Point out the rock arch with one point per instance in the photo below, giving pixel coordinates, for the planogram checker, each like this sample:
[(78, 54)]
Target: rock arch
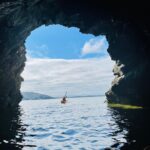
[(126, 26)]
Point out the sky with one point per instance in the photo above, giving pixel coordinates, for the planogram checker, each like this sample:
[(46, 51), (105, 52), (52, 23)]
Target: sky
[(63, 59)]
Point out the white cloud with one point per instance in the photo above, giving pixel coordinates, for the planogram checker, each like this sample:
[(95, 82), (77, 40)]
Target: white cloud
[(77, 76), (95, 45), (40, 51)]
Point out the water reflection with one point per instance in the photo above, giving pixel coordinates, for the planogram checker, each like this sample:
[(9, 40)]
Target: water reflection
[(137, 124), (11, 130), (129, 128)]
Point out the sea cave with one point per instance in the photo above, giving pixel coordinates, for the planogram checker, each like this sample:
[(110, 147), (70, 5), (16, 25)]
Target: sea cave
[(125, 24)]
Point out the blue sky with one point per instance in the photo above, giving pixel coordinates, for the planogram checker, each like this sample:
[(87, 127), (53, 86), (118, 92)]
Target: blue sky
[(62, 59), (57, 41)]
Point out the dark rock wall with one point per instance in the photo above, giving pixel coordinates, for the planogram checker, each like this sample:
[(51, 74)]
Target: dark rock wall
[(131, 83), (126, 26)]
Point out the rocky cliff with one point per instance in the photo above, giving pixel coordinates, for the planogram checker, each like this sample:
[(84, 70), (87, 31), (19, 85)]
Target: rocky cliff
[(125, 24)]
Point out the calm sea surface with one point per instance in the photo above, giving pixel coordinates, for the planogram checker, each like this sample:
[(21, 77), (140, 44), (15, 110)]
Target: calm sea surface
[(81, 124)]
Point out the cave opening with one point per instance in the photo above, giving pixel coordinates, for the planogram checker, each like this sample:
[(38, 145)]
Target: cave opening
[(127, 28), (128, 39), (61, 59)]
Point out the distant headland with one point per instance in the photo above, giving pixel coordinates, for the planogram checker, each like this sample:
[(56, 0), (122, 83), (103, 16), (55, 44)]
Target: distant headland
[(39, 96)]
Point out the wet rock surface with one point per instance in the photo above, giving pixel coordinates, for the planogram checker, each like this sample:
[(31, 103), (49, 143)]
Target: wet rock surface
[(125, 25)]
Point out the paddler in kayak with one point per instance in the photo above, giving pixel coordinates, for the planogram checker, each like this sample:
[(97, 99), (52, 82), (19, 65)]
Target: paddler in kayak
[(64, 101)]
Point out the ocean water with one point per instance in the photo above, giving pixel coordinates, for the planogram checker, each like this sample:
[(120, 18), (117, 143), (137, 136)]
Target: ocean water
[(81, 124)]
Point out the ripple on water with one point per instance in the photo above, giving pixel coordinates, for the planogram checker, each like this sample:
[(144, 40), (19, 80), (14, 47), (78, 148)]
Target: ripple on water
[(42, 148), (39, 136), (94, 141), (82, 148), (59, 138), (68, 146), (70, 132), (84, 118), (87, 126), (40, 129)]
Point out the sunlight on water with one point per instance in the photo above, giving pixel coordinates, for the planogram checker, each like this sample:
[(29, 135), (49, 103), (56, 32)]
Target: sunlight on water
[(83, 123)]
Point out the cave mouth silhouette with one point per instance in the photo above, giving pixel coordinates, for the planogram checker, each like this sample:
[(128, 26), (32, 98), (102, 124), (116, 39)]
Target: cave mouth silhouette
[(126, 28), (61, 59)]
